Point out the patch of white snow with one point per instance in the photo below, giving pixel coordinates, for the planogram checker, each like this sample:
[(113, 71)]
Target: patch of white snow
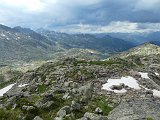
[(144, 75), (128, 81), (156, 93), (22, 85), (157, 73), (4, 90)]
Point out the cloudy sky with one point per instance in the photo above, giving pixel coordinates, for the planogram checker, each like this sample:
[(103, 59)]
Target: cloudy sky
[(87, 16)]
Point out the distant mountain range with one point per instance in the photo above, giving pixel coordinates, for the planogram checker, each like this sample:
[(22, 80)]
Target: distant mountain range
[(136, 38), (106, 44), (24, 44)]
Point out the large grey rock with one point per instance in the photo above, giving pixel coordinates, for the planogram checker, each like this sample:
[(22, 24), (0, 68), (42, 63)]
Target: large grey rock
[(149, 93), (48, 97), (75, 106), (87, 90), (58, 118), (48, 104), (98, 110), (83, 118), (16, 91), (37, 118), (67, 109), (27, 108), (61, 113), (154, 77), (84, 99), (136, 109), (154, 67), (38, 104), (68, 84), (32, 88), (92, 116), (58, 89), (117, 87), (135, 74), (1, 106), (75, 85), (67, 96)]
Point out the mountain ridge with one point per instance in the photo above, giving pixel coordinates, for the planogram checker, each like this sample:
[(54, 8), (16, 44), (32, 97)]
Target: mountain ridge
[(136, 38), (24, 44), (106, 44)]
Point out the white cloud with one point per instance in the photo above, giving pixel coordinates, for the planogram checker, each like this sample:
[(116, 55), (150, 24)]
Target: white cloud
[(119, 26), (113, 27), (41, 5), (27, 5), (39, 13), (68, 13)]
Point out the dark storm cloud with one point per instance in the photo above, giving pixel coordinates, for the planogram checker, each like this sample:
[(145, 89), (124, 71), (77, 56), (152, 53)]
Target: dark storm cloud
[(56, 14)]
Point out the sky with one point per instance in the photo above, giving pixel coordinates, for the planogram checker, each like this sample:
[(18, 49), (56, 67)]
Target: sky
[(83, 16)]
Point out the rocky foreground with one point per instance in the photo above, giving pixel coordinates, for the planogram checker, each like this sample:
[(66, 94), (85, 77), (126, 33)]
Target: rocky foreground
[(75, 89)]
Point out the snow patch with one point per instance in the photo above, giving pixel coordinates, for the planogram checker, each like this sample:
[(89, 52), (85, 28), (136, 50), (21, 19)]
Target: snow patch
[(157, 74), (156, 93), (144, 75), (91, 51), (119, 91), (22, 85), (128, 81), (6, 89)]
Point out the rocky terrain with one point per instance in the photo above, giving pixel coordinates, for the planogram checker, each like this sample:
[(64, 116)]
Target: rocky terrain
[(122, 87)]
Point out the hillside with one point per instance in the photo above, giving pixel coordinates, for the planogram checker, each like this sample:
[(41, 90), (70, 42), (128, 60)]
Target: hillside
[(16, 46), (146, 49), (147, 54), (121, 87)]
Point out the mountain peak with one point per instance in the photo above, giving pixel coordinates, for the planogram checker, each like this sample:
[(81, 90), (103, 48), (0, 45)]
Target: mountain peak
[(146, 49), (22, 30), (148, 45), (6, 28)]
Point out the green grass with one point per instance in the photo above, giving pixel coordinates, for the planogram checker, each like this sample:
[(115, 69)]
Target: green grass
[(92, 105), (74, 74), (10, 114), (15, 74), (4, 84), (101, 103), (42, 88), (112, 62), (46, 113), (1, 77), (149, 118), (35, 98), (51, 112)]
